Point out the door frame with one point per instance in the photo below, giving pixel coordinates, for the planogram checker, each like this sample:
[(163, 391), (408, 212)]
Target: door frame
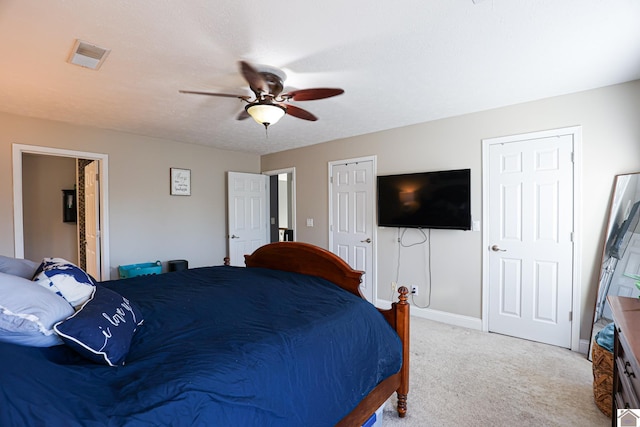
[(18, 223), (374, 244), (292, 171), (576, 133)]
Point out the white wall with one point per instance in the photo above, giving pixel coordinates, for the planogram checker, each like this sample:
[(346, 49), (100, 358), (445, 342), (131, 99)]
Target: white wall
[(146, 223), (611, 145), (283, 201)]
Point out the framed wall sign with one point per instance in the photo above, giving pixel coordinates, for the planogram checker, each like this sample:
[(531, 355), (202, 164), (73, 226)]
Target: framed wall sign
[(180, 182)]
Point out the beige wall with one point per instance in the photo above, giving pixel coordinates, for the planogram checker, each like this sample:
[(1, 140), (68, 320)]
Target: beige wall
[(45, 234), (611, 145), (146, 223)]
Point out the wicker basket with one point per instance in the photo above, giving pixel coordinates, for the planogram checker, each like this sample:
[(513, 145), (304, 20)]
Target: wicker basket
[(602, 377)]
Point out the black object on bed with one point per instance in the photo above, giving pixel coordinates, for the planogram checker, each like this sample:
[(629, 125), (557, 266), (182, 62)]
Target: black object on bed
[(219, 346)]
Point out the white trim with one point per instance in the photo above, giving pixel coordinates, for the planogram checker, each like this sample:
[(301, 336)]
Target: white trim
[(584, 347), (439, 316), (576, 133), (374, 244), (18, 224), (292, 171), (460, 320)]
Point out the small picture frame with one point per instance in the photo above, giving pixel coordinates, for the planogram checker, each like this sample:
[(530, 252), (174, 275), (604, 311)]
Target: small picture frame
[(180, 182)]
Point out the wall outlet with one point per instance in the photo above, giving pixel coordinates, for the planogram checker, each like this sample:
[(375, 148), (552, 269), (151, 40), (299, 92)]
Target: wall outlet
[(393, 286), (414, 290)]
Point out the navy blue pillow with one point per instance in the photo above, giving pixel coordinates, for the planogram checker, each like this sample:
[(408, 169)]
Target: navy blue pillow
[(102, 329)]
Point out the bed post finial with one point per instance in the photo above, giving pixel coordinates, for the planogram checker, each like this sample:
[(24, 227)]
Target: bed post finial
[(227, 260), (404, 292)]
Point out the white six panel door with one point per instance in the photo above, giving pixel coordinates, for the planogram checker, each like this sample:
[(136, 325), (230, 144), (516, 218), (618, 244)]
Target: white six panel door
[(353, 219), (247, 215), (530, 230)]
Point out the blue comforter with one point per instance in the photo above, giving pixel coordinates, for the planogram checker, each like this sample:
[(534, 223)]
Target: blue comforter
[(220, 346)]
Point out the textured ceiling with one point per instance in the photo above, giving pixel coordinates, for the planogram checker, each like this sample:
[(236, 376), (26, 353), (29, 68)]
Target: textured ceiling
[(400, 63)]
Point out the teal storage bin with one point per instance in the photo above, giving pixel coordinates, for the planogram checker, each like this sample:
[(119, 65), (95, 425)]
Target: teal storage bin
[(144, 269)]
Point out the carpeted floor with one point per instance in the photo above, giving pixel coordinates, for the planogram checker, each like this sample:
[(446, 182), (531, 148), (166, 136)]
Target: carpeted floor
[(463, 377)]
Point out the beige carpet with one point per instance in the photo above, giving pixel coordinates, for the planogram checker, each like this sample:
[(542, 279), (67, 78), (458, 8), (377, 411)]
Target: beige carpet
[(463, 377)]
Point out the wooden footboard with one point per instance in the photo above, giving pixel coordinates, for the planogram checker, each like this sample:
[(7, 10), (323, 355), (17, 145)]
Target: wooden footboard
[(309, 259)]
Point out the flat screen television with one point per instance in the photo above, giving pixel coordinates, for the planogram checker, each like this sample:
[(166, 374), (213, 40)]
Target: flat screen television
[(439, 199)]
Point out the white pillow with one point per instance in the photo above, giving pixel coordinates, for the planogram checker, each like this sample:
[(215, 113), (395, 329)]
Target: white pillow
[(18, 267), (65, 279), (28, 312)]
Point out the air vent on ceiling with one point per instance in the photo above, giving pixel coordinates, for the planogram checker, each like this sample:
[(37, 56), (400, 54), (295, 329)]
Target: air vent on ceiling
[(88, 55)]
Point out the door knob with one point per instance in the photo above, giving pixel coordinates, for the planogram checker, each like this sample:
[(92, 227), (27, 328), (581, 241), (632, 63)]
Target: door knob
[(496, 248), (367, 240), (233, 236)]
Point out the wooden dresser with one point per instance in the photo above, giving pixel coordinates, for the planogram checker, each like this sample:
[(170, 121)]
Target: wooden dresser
[(626, 370)]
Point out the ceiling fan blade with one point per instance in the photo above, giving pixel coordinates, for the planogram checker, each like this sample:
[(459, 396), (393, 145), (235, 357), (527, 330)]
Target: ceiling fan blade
[(312, 94), (256, 82), (226, 95), (242, 115), (298, 112)]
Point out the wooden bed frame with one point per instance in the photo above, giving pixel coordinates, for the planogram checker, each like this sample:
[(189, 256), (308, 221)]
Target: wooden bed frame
[(309, 259)]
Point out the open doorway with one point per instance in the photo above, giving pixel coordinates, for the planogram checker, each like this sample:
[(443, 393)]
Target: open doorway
[(25, 159), (282, 206), (49, 207)]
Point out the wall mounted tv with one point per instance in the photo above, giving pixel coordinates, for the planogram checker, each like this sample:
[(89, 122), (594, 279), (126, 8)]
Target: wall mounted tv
[(439, 199)]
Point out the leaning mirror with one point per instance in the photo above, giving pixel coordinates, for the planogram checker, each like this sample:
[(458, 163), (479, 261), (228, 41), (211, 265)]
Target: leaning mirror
[(620, 268)]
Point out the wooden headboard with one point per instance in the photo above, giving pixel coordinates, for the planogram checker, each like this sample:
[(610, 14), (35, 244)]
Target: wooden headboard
[(307, 259)]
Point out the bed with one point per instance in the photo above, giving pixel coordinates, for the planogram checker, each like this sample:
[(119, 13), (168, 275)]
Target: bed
[(273, 344)]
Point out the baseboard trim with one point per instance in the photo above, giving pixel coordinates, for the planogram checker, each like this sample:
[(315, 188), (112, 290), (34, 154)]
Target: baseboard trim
[(440, 316), (583, 347), (458, 320)]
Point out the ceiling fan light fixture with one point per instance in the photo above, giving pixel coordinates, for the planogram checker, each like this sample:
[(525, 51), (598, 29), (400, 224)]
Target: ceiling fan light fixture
[(266, 113)]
